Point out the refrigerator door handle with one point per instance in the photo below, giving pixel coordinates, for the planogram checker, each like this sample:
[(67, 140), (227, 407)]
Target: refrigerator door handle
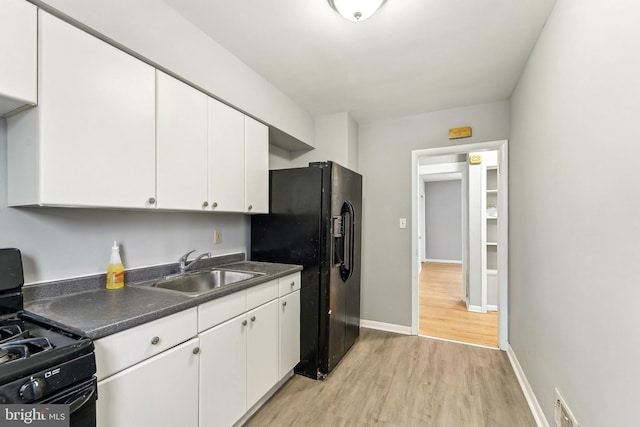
[(348, 225), (337, 235)]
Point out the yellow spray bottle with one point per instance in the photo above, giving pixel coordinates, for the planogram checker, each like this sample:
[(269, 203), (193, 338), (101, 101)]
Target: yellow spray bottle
[(115, 270)]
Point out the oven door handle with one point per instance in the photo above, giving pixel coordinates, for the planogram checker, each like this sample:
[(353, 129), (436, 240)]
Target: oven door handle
[(79, 401)]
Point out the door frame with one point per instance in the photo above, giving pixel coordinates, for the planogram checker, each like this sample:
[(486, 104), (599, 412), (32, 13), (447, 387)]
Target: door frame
[(503, 228)]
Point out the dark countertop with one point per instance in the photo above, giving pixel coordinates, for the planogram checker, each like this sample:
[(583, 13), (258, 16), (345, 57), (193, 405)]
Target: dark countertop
[(98, 312)]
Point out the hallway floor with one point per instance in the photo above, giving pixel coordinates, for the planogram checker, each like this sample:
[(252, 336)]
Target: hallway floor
[(443, 313), (393, 380)]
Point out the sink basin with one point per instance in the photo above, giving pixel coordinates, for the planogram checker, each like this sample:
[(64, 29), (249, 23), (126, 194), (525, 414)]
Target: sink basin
[(198, 283)]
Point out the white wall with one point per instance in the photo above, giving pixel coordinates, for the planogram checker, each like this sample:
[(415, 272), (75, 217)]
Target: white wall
[(60, 242), (575, 212), (157, 32), (336, 139), (385, 163), (443, 220), (279, 158)]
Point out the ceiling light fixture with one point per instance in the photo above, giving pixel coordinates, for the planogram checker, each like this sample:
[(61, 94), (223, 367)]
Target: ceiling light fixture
[(356, 10)]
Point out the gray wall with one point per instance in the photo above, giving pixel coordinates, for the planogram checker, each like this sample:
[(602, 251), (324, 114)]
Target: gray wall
[(443, 220), (385, 163), (336, 138), (61, 242), (575, 212)]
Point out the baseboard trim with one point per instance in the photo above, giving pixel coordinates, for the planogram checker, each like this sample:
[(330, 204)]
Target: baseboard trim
[(492, 307), (444, 261), (387, 327), (474, 308), (536, 409)]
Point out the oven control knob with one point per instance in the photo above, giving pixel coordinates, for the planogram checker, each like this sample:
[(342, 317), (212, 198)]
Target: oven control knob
[(33, 389)]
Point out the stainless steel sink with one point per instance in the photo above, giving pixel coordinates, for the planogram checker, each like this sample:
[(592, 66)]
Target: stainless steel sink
[(198, 283)]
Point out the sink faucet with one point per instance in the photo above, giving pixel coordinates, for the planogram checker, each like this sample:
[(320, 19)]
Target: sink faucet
[(184, 265)]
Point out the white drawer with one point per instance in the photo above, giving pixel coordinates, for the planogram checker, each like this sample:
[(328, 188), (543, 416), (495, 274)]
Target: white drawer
[(289, 284), (261, 294), (123, 349), (220, 310)]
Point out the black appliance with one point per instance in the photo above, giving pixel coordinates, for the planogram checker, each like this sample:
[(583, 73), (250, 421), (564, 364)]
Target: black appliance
[(41, 363), (315, 221)]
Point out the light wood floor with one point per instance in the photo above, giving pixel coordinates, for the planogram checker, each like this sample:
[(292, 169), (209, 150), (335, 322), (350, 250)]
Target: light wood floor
[(444, 314), (404, 381)]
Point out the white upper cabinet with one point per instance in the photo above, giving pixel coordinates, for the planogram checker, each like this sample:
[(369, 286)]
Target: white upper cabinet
[(256, 166), (91, 140), (181, 145), (111, 131), (226, 158), (18, 50)]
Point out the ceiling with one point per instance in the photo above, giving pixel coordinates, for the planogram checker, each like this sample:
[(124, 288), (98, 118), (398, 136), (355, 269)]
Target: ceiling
[(412, 56)]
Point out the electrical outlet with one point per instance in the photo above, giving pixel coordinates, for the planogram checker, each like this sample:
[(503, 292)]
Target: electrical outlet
[(217, 237), (562, 415), (403, 222)]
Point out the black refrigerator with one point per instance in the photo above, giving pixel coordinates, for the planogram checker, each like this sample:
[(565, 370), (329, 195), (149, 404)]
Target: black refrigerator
[(315, 221)]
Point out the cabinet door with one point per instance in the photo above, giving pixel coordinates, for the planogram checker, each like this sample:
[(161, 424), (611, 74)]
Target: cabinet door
[(181, 145), (289, 332), (223, 373), (18, 50), (226, 158), (262, 351), (97, 121), (256, 166), (161, 391)]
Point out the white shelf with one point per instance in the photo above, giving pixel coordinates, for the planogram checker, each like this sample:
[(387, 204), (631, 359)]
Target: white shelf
[(492, 191), (492, 272), (492, 243), (492, 217)]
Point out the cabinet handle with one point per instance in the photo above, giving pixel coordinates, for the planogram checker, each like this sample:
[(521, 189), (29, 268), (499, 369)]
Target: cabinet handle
[(293, 284), (244, 323), (214, 204), (284, 304), (155, 340), (152, 200), (250, 207), (253, 318), (205, 204), (196, 350)]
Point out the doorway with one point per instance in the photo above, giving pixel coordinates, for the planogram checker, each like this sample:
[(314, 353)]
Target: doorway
[(464, 289)]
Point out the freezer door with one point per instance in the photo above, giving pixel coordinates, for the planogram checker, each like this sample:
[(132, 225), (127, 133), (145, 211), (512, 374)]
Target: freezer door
[(291, 233), (344, 276)]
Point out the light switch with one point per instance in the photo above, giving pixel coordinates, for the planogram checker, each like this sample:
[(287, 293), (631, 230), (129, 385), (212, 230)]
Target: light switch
[(403, 222)]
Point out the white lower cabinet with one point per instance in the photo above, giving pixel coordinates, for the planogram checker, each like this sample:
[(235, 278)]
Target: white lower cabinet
[(238, 365), (161, 391), (262, 351), (289, 323), (223, 373), (156, 374)]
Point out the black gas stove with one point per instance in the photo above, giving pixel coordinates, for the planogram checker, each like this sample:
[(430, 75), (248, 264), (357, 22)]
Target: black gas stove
[(41, 363)]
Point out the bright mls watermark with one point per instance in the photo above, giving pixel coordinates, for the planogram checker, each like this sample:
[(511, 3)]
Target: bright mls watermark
[(34, 415)]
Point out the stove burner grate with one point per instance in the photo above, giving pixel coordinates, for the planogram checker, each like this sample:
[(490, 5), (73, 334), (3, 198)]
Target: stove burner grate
[(23, 348), (11, 332)]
